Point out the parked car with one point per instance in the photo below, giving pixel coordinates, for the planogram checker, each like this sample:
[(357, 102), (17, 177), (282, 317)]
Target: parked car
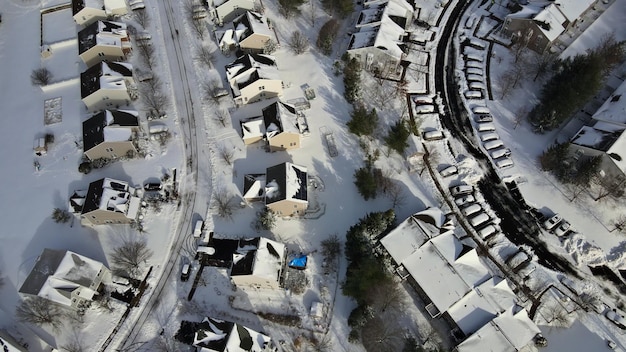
[(449, 171), (552, 222), (489, 136), (483, 118), (563, 228), (481, 110), (473, 94), (571, 285), (479, 219), (461, 190), (152, 186), (424, 109), (466, 199), (486, 127), (471, 209), (496, 143), (487, 231), (504, 163), (616, 318), (433, 135), (499, 153), (611, 344), (185, 272), (197, 229)]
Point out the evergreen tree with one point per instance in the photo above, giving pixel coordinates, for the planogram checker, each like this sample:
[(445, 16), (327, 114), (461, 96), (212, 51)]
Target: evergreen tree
[(352, 80), (327, 35), (363, 123), (365, 182), (289, 8), (397, 137)]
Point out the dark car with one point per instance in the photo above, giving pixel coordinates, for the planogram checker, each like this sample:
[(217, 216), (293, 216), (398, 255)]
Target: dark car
[(152, 186)]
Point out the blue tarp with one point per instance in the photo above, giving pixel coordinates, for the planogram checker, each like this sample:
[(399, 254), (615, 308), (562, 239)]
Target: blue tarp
[(298, 262)]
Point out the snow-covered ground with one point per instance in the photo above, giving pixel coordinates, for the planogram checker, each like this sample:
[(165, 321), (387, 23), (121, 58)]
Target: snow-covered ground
[(30, 195)]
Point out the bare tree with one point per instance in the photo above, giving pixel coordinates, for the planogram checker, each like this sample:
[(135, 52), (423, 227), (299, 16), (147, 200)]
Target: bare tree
[(75, 343), (396, 195), (41, 77), (382, 334), (40, 311), (575, 190), (270, 47), (619, 224), (608, 186), (155, 103), (221, 116), (541, 64), (521, 43), (146, 51), (130, 256), (205, 56), (520, 116), (387, 296), (298, 43), (227, 154), (199, 27), (224, 204), (142, 17), (323, 344), (557, 315)]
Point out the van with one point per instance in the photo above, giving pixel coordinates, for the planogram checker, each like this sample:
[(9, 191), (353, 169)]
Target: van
[(472, 209), (489, 136), (185, 272), (487, 231), (486, 127), (197, 230), (433, 135), (499, 153), (449, 171), (473, 94), (479, 219), (493, 144), (474, 78), (481, 110), (504, 163), (424, 109)]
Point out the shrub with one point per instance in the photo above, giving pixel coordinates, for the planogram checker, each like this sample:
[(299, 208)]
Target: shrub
[(41, 77), (362, 122), (60, 216), (84, 167), (365, 182), (397, 137)]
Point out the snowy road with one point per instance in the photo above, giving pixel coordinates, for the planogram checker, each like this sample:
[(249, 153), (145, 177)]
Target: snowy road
[(195, 184)]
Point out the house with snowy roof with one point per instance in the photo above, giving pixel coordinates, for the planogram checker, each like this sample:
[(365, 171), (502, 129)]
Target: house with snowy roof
[(215, 335), (278, 126), (66, 278), (110, 134), (286, 189), (107, 85), (255, 262), (226, 10), (86, 12), (449, 275), (254, 77), (103, 41), (379, 40), (540, 23), (107, 201), (250, 33)]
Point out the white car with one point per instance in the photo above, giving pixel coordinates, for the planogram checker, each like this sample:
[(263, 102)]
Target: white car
[(552, 222), (461, 190), (616, 319), (563, 228), (466, 199), (449, 171)]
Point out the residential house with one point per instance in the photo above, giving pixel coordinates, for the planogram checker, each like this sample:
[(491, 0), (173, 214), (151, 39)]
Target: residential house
[(86, 12), (66, 278), (215, 335), (453, 280), (107, 201), (539, 24), (286, 189), (109, 134), (605, 136), (226, 10), (254, 77), (278, 125), (255, 262), (250, 33), (254, 187), (107, 85), (379, 40), (103, 41)]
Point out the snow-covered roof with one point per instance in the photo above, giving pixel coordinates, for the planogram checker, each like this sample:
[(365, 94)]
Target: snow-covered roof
[(106, 33), (279, 117), (111, 195), (614, 108), (268, 259), (508, 332), (215, 335), (250, 68), (387, 36), (399, 10), (286, 181), (572, 9), (551, 21), (253, 127), (57, 273), (105, 75), (254, 186), (110, 6), (446, 269), (9, 344), (109, 126), (482, 304)]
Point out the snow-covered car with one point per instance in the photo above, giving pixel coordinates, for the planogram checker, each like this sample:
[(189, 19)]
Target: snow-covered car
[(504, 163), (496, 143), (471, 209), (185, 272), (433, 135), (152, 186), (616, 318), (483, 118), (552, 222), (487, 231), (563, 228), (611, 344), (466, 199), (473, 94), (449, 171), (486, 127), (480, 110), (474, 77), (489, 136), (479, 219), (461, 190), (570, 284), (197, 229), (499, 153), (474, 71), (424, 109)]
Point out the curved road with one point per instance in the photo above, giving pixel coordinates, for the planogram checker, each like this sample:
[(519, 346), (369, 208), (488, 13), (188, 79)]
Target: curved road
[(195, 198)]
